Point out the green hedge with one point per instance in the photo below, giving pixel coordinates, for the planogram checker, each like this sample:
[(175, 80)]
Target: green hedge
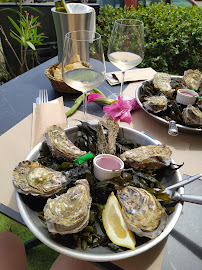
[(173, 35)]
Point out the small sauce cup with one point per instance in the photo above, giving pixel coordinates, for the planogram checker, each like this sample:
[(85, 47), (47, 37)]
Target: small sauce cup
[(107, 166), (186, 96)]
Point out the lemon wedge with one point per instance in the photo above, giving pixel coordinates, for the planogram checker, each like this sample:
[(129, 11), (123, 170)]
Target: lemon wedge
[(115, 225)]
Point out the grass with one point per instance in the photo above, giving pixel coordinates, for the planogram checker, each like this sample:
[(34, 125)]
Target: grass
[(40, 257)]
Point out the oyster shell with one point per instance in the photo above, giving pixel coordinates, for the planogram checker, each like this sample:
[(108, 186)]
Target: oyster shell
[(37, 180), (150, 157), (162, 82), (192, 79), (142, 212), (102, 145), (106, 140), (192, 116), (69, 212), (60, 146), (155, 104), (113, 129)]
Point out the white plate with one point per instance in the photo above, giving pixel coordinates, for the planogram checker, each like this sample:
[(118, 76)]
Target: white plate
[(99, 254), (157, 118)]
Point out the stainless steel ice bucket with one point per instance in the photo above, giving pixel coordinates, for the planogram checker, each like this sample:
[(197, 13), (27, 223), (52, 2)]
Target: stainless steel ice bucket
[(67, 22)]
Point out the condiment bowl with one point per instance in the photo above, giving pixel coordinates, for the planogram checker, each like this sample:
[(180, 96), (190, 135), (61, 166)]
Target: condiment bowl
[(107, 166), (186, 96)]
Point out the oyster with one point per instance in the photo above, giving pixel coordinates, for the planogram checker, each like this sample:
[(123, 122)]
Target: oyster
[(192, 79), (150, 157), (192, 116), (155, 104), (106, 140), (162, 82), (60, 145), (142, 212), (113, 129), (69, 212), (35, 179), (102, 145)]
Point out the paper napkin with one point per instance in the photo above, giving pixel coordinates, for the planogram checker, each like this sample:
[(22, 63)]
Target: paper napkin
[(45, 115), (133, 75)]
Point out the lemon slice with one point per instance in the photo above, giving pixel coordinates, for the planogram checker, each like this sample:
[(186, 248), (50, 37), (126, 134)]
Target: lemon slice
[(115, 225)]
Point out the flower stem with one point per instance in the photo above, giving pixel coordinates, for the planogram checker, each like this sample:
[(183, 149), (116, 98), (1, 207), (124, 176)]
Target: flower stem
[(105, 101), (79, 100), (95, 90), (76, 105), (122, 82)]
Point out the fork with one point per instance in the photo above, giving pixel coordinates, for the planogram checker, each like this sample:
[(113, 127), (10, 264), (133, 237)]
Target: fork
[(43, 96)]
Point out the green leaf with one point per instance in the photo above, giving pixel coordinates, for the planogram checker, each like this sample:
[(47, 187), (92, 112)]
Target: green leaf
[(31, 45), (15, 25), (10, 9), (15, 2), (34, 19), (32, 8), (13, 36)]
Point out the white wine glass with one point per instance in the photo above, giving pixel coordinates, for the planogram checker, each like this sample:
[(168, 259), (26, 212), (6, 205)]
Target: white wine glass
[(83, 64), (126, 47)]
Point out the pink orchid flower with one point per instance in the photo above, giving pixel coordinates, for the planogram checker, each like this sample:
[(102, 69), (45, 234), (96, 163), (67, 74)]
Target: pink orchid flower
[(93, 96), (100, 99), (121, 109)]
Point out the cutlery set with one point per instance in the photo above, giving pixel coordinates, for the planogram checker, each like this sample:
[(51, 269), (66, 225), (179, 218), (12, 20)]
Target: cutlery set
[(43, 97)]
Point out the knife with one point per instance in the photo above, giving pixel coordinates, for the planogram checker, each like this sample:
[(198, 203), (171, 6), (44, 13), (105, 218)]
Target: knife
[(175, 195)]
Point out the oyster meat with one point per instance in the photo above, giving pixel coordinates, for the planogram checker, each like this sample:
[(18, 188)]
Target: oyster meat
[(155, 104), (69, 212), (60, 146), (192, 116), (37, 180), (162, 82), (142, 213), (150, 157), (192, 79)]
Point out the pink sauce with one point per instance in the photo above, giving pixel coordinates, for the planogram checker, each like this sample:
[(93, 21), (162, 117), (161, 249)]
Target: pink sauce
[(108, 163), (188, 93)]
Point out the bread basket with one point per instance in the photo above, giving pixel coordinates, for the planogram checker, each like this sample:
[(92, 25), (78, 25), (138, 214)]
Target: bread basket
[(58, 84)]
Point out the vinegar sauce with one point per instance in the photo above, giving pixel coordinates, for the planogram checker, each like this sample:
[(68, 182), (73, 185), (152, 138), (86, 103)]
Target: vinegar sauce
[(109, 163)]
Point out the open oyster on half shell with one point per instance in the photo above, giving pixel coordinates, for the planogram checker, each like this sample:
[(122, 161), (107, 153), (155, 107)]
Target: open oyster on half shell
[(37, 180), (69, 212), (60, 146), (150, 157), (142, 212), (192, 116), (162, 81), (192, 78), (155, 104)]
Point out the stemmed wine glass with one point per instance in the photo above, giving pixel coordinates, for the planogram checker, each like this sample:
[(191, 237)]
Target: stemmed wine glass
[(83, 64), (126, 46)]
